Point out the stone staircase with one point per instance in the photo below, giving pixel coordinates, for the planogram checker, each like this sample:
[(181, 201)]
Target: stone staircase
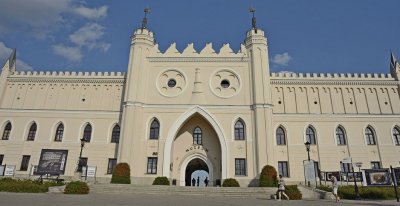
[(255, 192)]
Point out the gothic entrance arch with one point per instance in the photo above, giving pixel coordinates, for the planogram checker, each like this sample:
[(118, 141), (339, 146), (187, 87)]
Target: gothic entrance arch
[(197, 144), (196, 169)]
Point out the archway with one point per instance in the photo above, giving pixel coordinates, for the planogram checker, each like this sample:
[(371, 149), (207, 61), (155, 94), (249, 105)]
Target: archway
[(194, 171)]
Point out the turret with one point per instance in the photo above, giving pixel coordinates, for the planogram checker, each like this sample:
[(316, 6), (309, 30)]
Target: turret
[(394, 67), (8, 67)]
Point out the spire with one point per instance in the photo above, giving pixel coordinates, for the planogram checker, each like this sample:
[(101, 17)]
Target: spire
[(253, 20), (394, 67), (11, 61), (144, 22)]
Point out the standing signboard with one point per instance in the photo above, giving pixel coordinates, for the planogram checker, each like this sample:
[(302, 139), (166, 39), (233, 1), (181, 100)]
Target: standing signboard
[(309, 171), (9, 170), (52, 161), (2, 168)]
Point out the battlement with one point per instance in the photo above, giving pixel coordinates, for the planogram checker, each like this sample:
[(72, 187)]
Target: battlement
[(67, 74), (333, 76), (207, 51)]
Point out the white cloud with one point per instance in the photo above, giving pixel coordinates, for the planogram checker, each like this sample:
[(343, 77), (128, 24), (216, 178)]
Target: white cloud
[(5, 53), (281, 59), (92, 13), (89, 36), (71, 53)]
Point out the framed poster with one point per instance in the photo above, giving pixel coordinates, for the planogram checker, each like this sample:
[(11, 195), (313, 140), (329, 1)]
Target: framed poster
[(9, 170), (378, 177), (352, 175), (52, 161)]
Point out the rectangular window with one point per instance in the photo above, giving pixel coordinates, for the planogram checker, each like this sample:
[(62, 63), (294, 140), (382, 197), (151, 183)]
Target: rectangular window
[(283, 169), (346, 167), (240, 166), (375, 165), (111, 164), (1, 159), (25, 162), (152, 165)]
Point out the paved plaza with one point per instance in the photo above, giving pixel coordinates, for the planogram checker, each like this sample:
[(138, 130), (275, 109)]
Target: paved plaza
[(23, 199)]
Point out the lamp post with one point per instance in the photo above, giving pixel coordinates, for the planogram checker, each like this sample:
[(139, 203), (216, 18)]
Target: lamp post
[(307, 144), (80, 162), (308, 149), (358, 164)]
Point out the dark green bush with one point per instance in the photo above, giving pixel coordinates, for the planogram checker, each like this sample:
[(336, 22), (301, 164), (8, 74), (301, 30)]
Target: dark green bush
[(293, 192), (28, 186), (121, 174), (230, 182), (76, 187), (161, 181), (268, 177), (374, 193)]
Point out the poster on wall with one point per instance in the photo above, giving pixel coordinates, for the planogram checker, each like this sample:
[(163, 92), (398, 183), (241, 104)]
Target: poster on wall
[(378, 177), (352, 175), (335, 173), (9, 170), (52, 161)]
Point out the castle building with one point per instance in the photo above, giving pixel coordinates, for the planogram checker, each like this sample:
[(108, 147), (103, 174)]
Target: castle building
[(176, 112)]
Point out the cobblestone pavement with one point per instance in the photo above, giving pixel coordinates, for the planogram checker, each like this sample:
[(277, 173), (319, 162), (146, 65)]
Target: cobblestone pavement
[(24, 199)]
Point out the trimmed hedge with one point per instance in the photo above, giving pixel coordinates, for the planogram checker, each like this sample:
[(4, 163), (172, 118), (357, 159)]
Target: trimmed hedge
[(161, 181), (268, 177), (76, 187), (26, 186), (373, 193), (230, 182), (121, 174)]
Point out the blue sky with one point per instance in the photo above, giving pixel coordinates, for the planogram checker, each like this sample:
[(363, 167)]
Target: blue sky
[(304, 36)]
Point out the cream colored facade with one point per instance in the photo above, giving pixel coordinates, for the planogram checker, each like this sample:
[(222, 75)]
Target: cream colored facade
[(211, 90)]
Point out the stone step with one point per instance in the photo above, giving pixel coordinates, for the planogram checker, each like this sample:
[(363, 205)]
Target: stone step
[(178, 190)]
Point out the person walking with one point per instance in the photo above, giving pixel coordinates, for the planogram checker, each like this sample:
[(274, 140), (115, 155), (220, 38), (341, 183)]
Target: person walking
[(198, 181), (193, 182), (281, 188), (335, 187), (206, 181)]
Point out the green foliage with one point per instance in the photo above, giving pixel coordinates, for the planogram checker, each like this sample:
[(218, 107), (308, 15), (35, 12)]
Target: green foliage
[(121, 174), (26, 186), (161, 181), (268, 177), (76, 187), (374, 193), (293, 192), (230, 182)]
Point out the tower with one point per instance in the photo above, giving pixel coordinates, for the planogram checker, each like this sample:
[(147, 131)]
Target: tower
[(257, 48)]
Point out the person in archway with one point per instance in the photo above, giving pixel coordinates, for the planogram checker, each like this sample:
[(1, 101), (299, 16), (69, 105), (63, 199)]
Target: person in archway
[(198, 181), (193, 182), (206, 181)]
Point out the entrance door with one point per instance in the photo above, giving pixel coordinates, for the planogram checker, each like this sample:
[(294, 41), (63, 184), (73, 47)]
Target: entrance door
[(196, 172)]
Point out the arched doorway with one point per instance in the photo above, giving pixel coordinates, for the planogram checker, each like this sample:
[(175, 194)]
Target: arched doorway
[(196, 169)]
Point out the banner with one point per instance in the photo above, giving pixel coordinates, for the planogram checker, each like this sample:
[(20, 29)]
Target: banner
[(378, 177), (52, 161)]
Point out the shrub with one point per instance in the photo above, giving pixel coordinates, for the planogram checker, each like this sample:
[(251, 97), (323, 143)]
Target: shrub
[(268, 177), (29, 186), (293, 192), (161, 181), (76, 187), (230, 182), (121, 174), (375, 193)]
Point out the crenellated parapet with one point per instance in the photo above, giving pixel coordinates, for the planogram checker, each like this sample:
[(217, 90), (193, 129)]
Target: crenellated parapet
[(207, 51), (66, 76)]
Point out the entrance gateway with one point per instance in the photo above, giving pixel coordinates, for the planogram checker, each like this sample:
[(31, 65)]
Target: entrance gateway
[(195, 142)]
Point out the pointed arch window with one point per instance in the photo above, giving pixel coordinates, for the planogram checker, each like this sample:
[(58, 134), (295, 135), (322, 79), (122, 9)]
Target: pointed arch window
[(32, 132), (340, 136), (87, 133), (310, 135), (7, 131), (239, 130), (115, 134), (59, 133), (396, 135), (370, 136), (280, 136), (197, 136), (154, 129)]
